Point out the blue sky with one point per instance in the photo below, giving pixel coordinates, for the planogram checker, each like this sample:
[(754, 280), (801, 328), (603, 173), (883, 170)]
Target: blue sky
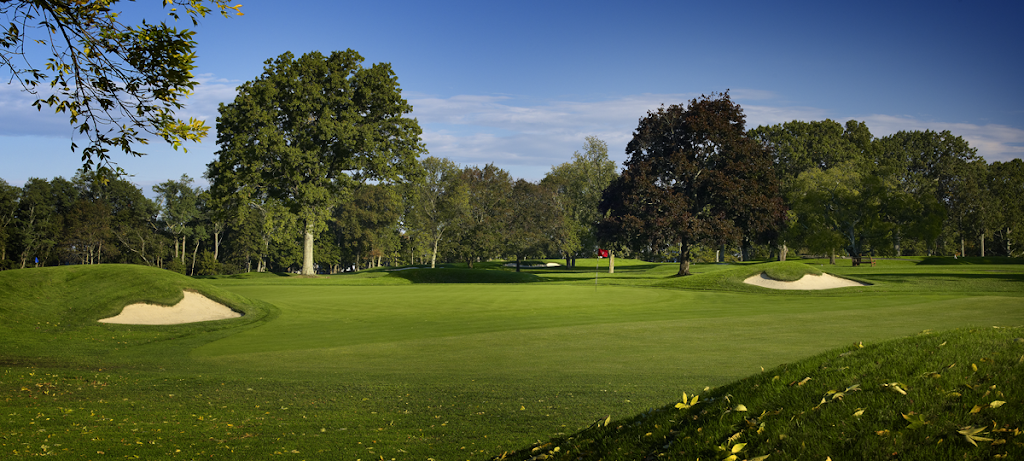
[(521, 84)]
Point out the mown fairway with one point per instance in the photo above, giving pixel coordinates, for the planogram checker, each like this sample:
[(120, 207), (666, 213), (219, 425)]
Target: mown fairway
[(371, 365)]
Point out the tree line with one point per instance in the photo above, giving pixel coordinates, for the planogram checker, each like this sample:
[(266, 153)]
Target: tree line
[(697, 181), (449, 213), (319, 169)]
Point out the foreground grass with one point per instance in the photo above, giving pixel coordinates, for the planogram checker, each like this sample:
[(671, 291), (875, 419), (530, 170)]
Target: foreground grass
[(364, 366), (953, 395)]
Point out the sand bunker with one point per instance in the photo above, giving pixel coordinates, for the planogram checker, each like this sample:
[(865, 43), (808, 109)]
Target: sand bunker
[(537, 266), (807, 282), (194, 307)]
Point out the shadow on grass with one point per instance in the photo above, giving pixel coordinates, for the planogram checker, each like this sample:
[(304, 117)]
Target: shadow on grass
[(464, 276), (917, 277), (949, 261)]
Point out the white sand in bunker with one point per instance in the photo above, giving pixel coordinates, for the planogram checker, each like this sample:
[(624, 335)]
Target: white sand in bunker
[(194, 307), (807, 282)]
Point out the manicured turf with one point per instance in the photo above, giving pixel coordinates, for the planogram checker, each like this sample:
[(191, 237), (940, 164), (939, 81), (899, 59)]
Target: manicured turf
[(369, 365)]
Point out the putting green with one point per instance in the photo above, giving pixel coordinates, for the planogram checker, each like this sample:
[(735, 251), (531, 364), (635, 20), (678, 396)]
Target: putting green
[(523, 333)]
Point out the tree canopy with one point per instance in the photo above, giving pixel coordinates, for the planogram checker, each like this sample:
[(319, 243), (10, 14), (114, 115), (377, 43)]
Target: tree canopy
[(117, 82), (692, 175), (307, 130), (578, 186)]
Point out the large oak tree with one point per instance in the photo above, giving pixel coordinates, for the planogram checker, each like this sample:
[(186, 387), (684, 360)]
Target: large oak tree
[(692, 175), (308, 129)]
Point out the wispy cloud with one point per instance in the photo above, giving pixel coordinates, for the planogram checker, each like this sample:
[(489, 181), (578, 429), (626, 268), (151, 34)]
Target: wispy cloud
[(525, 136), (528, 138)]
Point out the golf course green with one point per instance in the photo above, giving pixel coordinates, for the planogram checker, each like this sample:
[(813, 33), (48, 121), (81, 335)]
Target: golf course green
[(415, 365)]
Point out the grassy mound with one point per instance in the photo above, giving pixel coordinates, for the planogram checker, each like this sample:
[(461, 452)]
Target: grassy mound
[(954, 395), (67, 301), (789, 271), (730, 277), (455, 275)]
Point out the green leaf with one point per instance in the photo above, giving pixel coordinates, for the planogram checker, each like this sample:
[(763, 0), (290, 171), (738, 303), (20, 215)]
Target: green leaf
[(916, 421)]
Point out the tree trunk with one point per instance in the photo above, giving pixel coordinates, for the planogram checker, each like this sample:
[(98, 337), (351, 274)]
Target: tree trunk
[(216, 246), (611, 262), (783, 250), (517, 263), (962, 245), (982, 244), (568, 261), (832, 257), (433, 255), (196, 250), (307, 250), (684, 258)]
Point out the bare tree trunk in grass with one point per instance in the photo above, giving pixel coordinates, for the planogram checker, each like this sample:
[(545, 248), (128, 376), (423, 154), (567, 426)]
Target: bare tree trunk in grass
[(684, 258), (611, 262), (307, 250)]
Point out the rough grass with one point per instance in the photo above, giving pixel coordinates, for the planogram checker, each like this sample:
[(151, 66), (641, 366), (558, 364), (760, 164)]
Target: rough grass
[(53, 312), (951, 395)]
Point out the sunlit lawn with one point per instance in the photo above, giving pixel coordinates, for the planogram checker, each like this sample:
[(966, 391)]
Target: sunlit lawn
[(369, 365)]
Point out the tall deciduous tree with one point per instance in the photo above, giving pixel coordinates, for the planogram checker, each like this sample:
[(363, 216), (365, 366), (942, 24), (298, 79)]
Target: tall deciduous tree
[(367, 226), (308, 129), (534, 225), (1006, 186), (9, 196), (490, 200), (579, 185), (800, 147), (118, 82), (179, 211), (692, 176), (439, 202)]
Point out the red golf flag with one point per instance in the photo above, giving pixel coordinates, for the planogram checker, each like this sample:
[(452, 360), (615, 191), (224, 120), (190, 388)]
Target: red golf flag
[(602, 253)]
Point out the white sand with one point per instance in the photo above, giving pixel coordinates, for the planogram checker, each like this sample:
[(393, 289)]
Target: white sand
[(807, 282), (194, 307), (539, 266)]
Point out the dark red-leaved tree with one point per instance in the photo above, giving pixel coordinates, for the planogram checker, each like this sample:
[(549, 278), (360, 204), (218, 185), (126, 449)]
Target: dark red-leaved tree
[(692, 176)]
